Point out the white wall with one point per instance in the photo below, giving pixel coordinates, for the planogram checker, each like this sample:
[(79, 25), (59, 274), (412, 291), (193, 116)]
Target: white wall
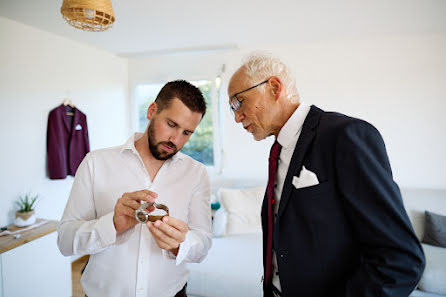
[(37, 71), (398, 83), (395, 82)]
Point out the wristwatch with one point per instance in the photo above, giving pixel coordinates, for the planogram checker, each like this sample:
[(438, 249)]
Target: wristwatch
[(143, 216)]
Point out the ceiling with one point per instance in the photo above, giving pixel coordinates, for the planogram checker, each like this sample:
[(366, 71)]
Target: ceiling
[(145, 27)]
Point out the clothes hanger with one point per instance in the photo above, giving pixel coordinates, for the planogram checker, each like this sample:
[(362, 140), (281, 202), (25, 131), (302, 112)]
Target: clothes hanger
[(67, 101)]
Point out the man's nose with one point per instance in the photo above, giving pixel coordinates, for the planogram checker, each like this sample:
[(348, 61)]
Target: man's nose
[(175, 137), (238, 116)]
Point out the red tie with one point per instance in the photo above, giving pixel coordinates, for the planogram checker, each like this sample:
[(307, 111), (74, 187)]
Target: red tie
[(273, 157)]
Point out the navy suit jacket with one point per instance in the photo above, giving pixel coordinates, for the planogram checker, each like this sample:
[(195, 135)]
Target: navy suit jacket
[(350, 234), (67, 144)]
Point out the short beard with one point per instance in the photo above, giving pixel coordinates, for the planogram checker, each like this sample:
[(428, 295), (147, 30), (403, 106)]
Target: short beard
[(156, 152)]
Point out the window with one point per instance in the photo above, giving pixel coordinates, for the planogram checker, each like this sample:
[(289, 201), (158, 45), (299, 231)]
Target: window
[(201, 144)]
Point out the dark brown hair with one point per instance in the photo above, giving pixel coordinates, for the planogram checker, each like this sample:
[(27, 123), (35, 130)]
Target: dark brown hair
[(189, 94)]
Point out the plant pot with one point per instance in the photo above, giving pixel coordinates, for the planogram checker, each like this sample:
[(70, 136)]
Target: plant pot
[(23, 219)]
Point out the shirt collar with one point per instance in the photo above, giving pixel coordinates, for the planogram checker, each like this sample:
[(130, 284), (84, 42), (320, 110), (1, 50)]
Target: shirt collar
[(293, 126), (130, 145)]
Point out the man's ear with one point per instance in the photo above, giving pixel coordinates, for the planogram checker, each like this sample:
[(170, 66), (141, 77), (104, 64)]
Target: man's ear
[(151, 110), (276, 86)]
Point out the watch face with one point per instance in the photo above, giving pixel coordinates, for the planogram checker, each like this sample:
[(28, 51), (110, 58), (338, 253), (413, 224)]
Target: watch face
[(141, 216)]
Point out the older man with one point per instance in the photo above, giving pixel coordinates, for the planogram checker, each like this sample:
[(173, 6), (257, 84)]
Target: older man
[(333, 218)]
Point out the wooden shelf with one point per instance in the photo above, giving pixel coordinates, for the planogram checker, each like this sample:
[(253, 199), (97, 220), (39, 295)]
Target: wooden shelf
[(8, 242)]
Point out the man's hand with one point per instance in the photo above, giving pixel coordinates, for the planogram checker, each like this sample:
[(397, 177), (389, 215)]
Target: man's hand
[(124, 215), (168, 233)]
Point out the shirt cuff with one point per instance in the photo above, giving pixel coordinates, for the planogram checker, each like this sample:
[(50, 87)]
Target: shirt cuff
[(168, 255), (183, 250), (186, 246)]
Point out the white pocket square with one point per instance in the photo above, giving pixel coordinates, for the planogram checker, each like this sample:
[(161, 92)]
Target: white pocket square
[(78, 127), (306, 179)]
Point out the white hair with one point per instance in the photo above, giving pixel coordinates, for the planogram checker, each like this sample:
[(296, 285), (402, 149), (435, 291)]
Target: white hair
[(261, 66)]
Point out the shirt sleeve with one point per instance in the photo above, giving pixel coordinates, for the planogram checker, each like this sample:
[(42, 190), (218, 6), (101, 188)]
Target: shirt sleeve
[(80, 230), (198, 239)]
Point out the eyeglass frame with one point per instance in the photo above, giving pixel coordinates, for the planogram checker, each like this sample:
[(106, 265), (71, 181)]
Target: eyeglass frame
[(236, 104)]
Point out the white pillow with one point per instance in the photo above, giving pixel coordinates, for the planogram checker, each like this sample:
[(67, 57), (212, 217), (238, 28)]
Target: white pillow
[(241, 210)]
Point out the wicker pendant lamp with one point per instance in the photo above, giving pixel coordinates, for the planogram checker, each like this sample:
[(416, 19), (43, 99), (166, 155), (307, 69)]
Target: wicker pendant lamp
[(88, 15)]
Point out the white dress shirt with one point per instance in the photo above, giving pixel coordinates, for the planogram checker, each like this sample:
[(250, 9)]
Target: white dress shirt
[(287, 138), (131, 263)]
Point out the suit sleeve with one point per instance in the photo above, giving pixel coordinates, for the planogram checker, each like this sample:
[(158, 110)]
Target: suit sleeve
[(392, 259), (55, 154)]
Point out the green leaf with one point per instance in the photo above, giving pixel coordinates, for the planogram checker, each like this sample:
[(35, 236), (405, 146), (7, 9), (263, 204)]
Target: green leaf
[(26, 202)]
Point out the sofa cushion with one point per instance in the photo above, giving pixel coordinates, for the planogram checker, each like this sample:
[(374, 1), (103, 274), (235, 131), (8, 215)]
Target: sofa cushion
[(242, 210), (435, 229), (434, 276)]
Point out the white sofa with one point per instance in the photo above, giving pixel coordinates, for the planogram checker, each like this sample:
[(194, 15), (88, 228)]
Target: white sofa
[(416, 202), (233, 266)]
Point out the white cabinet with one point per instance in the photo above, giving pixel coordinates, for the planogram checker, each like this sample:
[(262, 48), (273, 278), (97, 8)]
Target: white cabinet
[(35, 269)]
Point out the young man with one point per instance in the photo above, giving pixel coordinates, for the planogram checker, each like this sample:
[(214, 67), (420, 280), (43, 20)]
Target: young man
[(333, 219), (128, 258)]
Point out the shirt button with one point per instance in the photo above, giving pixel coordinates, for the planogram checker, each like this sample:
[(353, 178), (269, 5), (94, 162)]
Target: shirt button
[(275, 185), (277, 272), (281, 255)]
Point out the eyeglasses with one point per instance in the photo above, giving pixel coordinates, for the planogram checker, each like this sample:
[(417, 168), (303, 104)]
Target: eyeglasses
[(235, 103)]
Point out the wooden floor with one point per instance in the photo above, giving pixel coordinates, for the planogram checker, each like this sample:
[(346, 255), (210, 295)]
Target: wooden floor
[(76, 268)]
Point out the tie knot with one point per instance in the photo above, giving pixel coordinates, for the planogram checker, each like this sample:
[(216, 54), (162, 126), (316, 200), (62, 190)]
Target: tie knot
[(275, 151)]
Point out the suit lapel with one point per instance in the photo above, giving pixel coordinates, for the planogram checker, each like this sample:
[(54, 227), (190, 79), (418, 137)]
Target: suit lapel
[(63, 115), (305, 139)]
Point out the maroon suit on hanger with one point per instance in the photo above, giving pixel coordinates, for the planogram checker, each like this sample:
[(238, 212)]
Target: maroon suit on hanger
[(67, 144)]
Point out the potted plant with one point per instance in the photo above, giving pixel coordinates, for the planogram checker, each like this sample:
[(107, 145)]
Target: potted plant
[(25, 216)]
